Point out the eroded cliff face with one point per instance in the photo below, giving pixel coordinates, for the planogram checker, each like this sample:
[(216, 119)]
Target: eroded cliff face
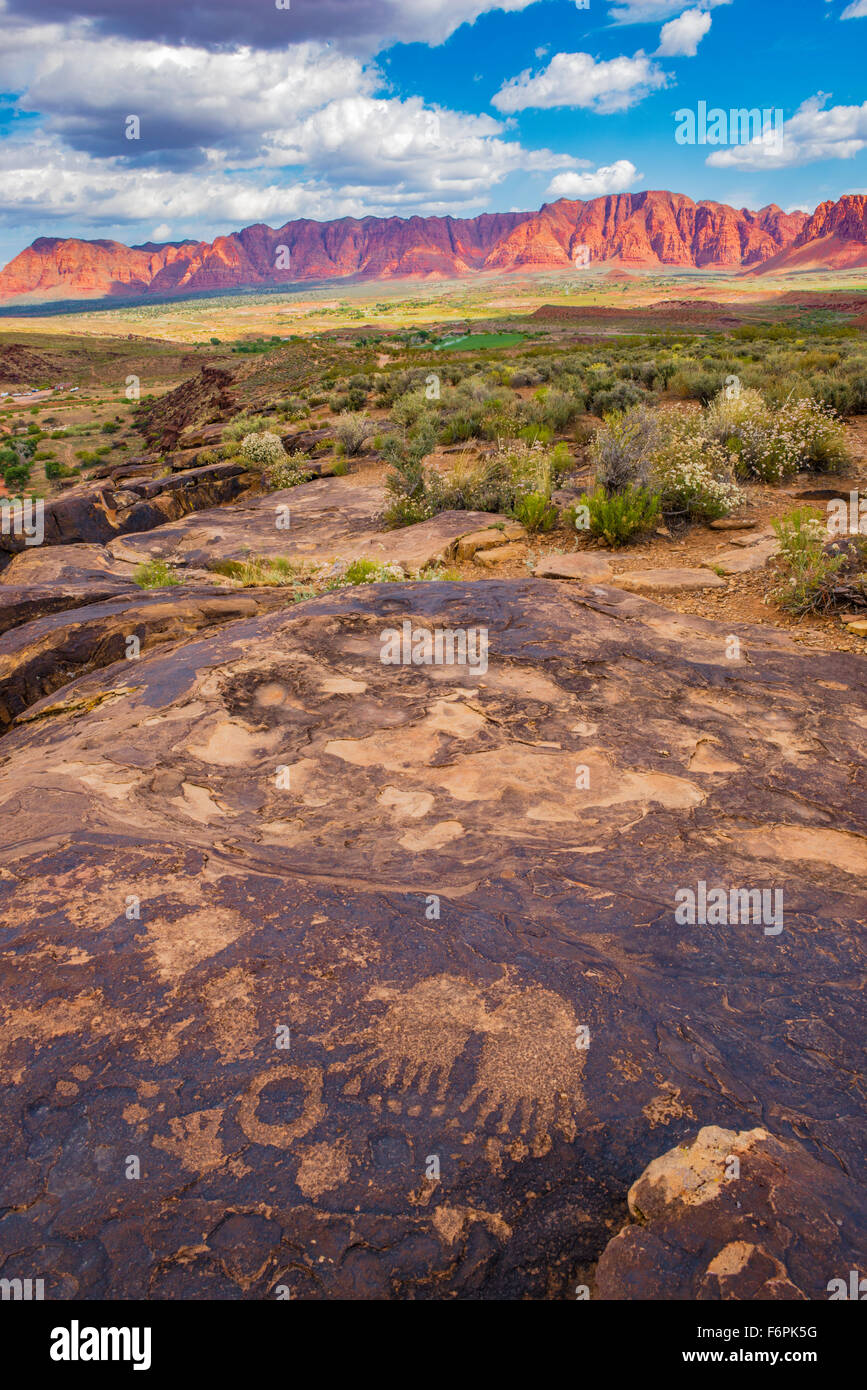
[(650, 228)]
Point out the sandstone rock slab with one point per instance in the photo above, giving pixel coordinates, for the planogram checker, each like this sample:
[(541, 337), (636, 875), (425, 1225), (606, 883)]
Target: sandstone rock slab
[(577, 565), (501, 554), (667, 581), (745, 560), (257, 829)]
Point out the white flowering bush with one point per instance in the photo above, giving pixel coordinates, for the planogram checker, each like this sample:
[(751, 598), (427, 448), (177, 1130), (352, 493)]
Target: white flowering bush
[(726, 415), (817, 434), (802, 434), (262, 449), (693, 474)]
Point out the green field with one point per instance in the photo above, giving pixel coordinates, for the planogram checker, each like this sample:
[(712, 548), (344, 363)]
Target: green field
[(472, 341)]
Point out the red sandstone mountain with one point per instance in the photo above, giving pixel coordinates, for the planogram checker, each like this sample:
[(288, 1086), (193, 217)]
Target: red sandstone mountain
[(628, 229), (834, 237)]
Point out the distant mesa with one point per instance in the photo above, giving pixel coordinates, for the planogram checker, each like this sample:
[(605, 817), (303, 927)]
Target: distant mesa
[(629, 230)]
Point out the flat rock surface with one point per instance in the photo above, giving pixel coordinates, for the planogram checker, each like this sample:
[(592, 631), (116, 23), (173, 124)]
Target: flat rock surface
[(577, 565), (667, 581), (744, 1216), (327, 519), (746, 559), (64, 564), (375, 968)]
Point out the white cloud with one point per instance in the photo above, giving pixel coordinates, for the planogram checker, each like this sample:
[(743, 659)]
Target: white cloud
[(681, 37), (577, 79), (233, 137), (162, 232), (651, 11), (403, 144), (183, 96), (814, 132), (610, 178), (857, 10)]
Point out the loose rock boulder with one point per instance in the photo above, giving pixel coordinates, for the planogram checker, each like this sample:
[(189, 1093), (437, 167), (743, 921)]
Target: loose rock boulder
[(737, 1216)]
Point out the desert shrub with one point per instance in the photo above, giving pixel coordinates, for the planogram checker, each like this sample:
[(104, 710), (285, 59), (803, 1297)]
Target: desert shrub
[(802, 434), (818, 435), (497, 482), (556, 409), (463, 425), (764, 452), (259, 572), (244, 424), (347, 400), (814, 573), (288, 471), (155, 574), (692, 474), (619, 397), (726, 414), (55, 469), (623, 446), (408, 483), (16, 475), (561, 460), (536, 434), (262, 449), (526, 376), (536, 513), (353, 432), (409, 409), (618, 516), (689, 384), (362, 571)]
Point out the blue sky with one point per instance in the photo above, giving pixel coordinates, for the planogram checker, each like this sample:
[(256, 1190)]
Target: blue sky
[(328, 108)]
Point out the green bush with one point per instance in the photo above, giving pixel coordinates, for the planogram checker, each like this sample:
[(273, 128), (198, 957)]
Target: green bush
[(155, 574), (618, 516), (353, 431), (815, 573), (535, 512)]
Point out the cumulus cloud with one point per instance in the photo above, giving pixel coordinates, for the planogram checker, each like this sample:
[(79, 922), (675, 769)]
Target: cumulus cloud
[(234, 136), (681, 37), (187, 99), (813, 132), (597, 183), (578, 79), (857, 10), (357, 25)]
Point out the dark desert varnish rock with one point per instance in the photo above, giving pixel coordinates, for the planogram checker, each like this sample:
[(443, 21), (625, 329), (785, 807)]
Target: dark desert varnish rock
[(339, 979)]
